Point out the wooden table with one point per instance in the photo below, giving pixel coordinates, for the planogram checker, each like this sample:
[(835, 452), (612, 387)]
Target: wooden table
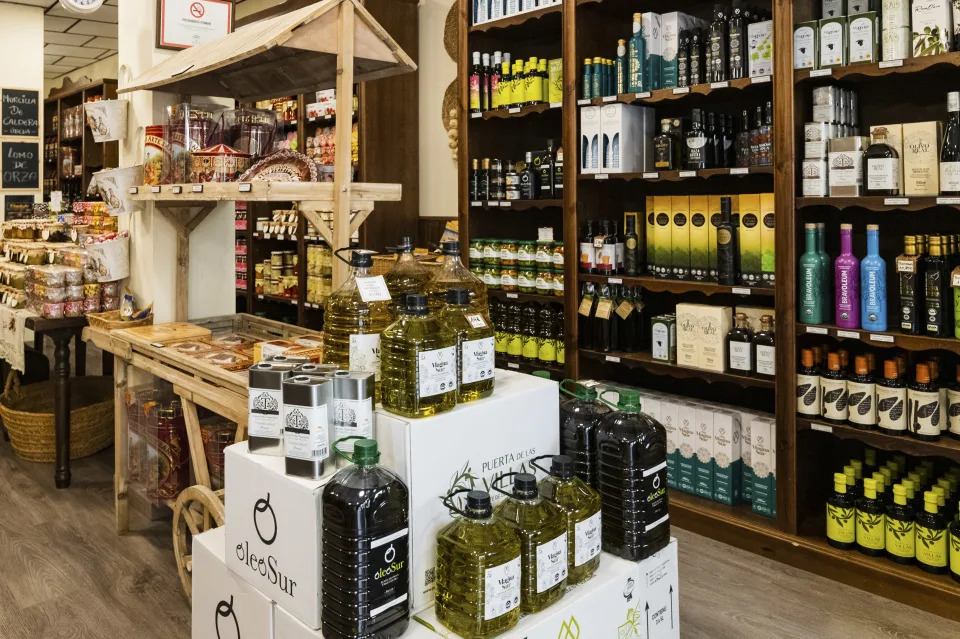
[(61, 331)]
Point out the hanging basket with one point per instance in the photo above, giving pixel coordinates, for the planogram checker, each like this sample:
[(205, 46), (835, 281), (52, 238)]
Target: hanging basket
[(107, 119), (28, 417)]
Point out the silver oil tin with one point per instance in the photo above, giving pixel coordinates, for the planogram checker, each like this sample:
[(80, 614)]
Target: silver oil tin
[(290, 359), (307, 368), (353, 416), (307, 427), (265, 406)]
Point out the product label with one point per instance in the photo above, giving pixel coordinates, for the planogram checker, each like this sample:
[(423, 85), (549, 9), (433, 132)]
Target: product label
[(831, 44), (900, 538), (891, 412), (373, 289), (390, 569), (931, 546), (845, 169), (696, 149), (741, 356), (626, 307), (352, 418), (264, 412), (551, 562), (305, 432), (884, 174), (834, 398), (365, 353), (954, 554), (586, 543), (501, 586), (862, 39), (923, 412), (436, 371), (862, 409), (588, 255), (870, 530), (607, 258), (604, 307), (950, 177), (808, 394), (547, 350), (803, 52), (840, 524), (766, 359), (477, 357), (653, 490), (476, 320), (660, 349), (953, 411), (530, 347)]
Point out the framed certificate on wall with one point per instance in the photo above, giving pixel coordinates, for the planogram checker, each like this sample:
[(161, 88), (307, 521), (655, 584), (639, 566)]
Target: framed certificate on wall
[(182, 24)]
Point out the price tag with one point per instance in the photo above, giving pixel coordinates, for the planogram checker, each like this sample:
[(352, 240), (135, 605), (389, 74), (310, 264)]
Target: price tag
[(651, 175), (681, 90), (956, 279), (760, 79), (612, 358), (948, 200), (545, 233), (823, 428), (513, 366), (624, 310), (513, 110), (688, 174), (293, 238), (877, 337), (601, 176), (896, 201), (244, 187), (889, 64), (505, 204), (476, 203), (615, 280), (740, 170), (329, 116), (133, 190), (604, 308), (493, 203), (266, 236), (584, 102), (259, 297), (475, 320), (512, 296), (609, 98), (177, 190), (641, 96), (556, 105), (198, 188), (817, 330), (740, 291), (311, 120), (848, 334), (906, 266), (821, 73), (154, 189), (373, 289), (473, 116), (585, 305), (719, 85)]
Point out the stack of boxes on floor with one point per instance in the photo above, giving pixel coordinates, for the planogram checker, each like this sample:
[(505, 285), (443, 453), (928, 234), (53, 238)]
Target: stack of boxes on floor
[(260, 575)]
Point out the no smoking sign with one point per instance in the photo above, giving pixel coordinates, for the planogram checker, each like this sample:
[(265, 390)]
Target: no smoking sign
[(196, 10)]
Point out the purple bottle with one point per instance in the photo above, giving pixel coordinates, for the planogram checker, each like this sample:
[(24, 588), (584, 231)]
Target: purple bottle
[(847, 271)]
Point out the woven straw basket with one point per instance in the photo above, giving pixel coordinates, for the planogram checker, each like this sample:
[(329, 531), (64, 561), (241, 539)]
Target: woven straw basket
[(28, 417)]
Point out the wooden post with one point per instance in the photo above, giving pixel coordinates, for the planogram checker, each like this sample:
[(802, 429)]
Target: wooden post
[(121, 441), (184, 229), (201, 473), (342, 168)]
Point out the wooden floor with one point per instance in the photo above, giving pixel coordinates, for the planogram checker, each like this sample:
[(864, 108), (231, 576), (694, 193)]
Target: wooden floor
[(64, 573)]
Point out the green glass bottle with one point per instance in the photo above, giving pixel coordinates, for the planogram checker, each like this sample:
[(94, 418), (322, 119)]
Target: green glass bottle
[(478, 570), (900, 536), (871, 520), (636, 57), (955, 548), (841, 508), (587, 82), (541, 527), (419, 362), (931, 542), (810, 286), (475, 346), (826, 272), (581, 504)]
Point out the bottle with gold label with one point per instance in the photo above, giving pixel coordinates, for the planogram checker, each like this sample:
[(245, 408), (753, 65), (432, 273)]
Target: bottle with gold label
[(841, 509), (475, 346), (871, 520), (900, 539), (931, 543)]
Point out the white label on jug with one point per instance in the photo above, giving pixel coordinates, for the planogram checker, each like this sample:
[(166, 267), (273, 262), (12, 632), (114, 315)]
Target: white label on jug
[(305, 432), (477, 320), (586, 542), (365, 353), (373, 289), (264, 412), (501, 585), (551, 562), (437, 371), (477, 360), (352, 418)]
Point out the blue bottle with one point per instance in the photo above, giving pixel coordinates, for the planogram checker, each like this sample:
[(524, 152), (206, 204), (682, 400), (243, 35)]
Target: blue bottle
[(873, 284)]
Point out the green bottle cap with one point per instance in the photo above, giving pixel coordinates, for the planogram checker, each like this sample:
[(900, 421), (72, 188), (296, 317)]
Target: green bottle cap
[(930, 501), (870, 456), (850, 474), (840, 482), (910, 487), (857, 467), (940, 493), (365, 452), (543, 374), (870, 488), (900, 494), (629, 401), (881, 481)]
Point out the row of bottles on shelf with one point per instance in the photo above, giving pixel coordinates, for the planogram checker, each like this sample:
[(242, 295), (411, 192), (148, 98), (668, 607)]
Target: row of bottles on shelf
[(528, 332), (712, 141), (752, 353), (496, 83), (923, 405), (539, 176), (610, 317), (881, 509)]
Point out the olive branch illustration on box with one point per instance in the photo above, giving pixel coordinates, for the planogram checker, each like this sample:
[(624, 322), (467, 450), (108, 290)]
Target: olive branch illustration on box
[(928, 42)]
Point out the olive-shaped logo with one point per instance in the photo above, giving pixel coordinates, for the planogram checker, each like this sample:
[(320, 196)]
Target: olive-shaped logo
[(263, 506), (390, 554), (224, 610), (628, 589)]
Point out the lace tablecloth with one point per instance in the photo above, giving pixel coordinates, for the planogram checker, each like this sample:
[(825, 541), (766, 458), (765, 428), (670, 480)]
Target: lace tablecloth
[(12, 336)]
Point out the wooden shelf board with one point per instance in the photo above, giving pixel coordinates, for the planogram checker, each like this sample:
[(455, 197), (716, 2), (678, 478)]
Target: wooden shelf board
[(886, 338), (878, 203), (516, 205), (693, 506), (517, 112), (945, 447), (528, 367), (675, 176), (658, 285), (525, 297), (880, 69), (517, 19), (661, 95), (645, 360), (261, 192), (279, 299)]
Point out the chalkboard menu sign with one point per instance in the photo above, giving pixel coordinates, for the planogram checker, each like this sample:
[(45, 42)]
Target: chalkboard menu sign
[(17, 207), (20, 165), (20, 112)]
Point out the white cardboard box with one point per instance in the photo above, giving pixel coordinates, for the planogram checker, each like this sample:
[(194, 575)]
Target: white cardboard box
[(223, 604), (590, 139), (466, 447), (626, 138), (273, 531), (623, 600)]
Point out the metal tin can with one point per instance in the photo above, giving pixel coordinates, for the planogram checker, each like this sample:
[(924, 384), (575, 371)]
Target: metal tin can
[(307, 427), (353, 414), (265, 406)]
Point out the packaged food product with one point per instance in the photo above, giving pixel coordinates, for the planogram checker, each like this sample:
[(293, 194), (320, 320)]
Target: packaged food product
[(74, 292), (110, 289), (110, 303), (49, 275), (50, 293), (91, 289), (73, 308), (73, 275), (91, 304), (52, 310)]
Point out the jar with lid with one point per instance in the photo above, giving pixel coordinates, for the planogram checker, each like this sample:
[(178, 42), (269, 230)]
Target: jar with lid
[(545, 282), (491, 252), (492, 277), (476, 251), (479, 269), (558, 255), (276, 259), (527, 280), (526, 253), (508, 278), (558, 283), (508, 253), (544, 254)]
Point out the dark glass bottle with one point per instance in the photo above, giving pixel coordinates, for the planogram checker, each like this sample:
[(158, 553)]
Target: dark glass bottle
[(912, 288), (641, 330), (528, 329), (603, 320), (666, 146), (683, 59), (696, 148), (755, 137), (715, 156), (619, 249), (561, 344), (546, 170), (588, 252), (623, 320), (476, 104), (931, 530), (841, 515), (698, 72), (737, 34), (718, 45), (558, 173), (808, 385), (742, 150), (607, 253), (631, 248), (483, 183), (474, 179), (881, 166), (498, 181), (485, 83), (954, 543), (529, 180), (923, 406), (764, 346), (937, 290), (588, 302), (765, 137), (514, 333), (833, 385), (871, 520), (900, 535), (950, 149), (726, 246), (740, 347), (546, 335), (861, 392), (727, 137)]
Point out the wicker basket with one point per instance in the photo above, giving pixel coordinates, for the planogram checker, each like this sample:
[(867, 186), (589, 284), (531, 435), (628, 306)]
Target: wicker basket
[(383, 263), (110, 321), (28, 417)]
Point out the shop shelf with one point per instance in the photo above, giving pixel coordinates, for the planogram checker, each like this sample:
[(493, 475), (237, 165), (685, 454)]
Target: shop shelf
[(662, 95), (525, 366), (645, 360), (945, 447), (879, 203), (525, 297), (684, 505), (277, 298), (516, 20), (275, 236), (657, 285), (887, 338), (517, 205), (517, 112), (923, 64), (674, 176)]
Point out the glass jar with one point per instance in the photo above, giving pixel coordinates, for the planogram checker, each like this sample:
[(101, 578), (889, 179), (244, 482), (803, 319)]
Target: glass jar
[(558, 283), (491, 252), (545, 254), (526, 253), (508, 278), (493, 277), (557, 256), (476, 251), (527, 280), (508, 253), (545, 282), (479, 269)]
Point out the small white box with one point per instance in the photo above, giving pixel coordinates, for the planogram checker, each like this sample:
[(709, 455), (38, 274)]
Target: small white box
[(895, 43), (224, 605), (932, 17), (653, 40), (590, 139), (617, 602), (273, 531), (688, 344), (671, 24), (728, 466), (669, 418), (763, 442), (466, 447), (814, 178), (760, 48), (895, 14), (627, 138)]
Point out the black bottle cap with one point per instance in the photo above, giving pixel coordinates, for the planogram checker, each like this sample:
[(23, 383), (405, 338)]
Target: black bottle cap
[(561, 466), (478, 504), (524, 486), (361, 259), (416, 304), (458, 296), (405, 245), (450, 248)]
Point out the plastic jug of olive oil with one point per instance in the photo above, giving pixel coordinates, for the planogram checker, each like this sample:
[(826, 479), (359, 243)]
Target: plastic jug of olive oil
[(541, 527), (580, 417), (406, 275), (419, 362), (475, 346), (354, 318), (366, 565), (453, 274), (581, 505), (632, 469), (478, 570)]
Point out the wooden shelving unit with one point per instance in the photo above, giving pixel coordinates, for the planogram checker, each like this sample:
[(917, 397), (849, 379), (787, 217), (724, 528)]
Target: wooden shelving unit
[(882, 339), (659, 285), (517, 205), (645, 361), (525, 297), (946, 446), (931, 64), (876, 203), (674, 176)]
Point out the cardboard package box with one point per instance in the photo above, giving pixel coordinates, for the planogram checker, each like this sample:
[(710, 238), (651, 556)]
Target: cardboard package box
[(590, 139), (686, 462), (627, 138)]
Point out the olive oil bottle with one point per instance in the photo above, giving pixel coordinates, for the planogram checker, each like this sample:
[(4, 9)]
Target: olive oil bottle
[(581, 505), (900, 534), (931, 544), (580, 417), (833, 385), (475, 346), (808, 385), (841, 512), (478, 570), (923, 406), (419, 362), (406, 275), (871, 520), (453, 274), (861, 390), (891, 401), (955, 548), (541, 527)]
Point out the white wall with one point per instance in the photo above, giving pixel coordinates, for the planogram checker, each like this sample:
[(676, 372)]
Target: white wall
[(21, 64), (438, 171), (105, 69)]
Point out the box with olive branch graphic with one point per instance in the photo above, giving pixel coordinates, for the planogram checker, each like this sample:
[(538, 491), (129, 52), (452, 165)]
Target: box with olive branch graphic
[(727, 464), (687, 461), (669, 418), (931, 27), (704, 452), (763, 433)]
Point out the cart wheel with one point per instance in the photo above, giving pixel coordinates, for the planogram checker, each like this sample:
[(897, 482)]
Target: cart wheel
[(198, 509)]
